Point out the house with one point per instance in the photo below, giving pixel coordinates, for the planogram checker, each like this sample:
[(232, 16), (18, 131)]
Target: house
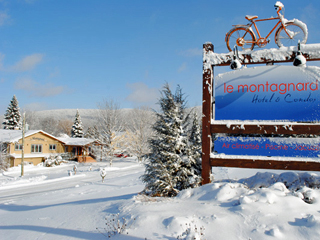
[(38, 146), (119, 142), (79, 148)]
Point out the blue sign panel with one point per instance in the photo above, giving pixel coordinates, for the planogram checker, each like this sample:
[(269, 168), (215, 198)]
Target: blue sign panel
[(282, 147), (268, 93)]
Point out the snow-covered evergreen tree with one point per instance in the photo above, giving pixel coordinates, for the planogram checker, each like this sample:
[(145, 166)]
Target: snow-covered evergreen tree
[(181, 104), (164, 173), (92, 133), (12, 117), (77, 128), (185, 172), (194, 153), (4, 163)]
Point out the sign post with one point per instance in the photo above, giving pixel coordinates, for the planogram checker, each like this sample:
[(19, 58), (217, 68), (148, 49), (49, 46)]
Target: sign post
[(207, 84), (22, 150)]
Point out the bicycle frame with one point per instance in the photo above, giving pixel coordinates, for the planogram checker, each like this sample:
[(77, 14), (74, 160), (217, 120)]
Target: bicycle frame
[(261, 40), (253, 22)]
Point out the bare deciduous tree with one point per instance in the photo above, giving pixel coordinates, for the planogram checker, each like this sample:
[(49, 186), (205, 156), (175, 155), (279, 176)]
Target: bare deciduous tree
[(32, 119), (111, 127), (140, 131), (49, 125), (65, 126)]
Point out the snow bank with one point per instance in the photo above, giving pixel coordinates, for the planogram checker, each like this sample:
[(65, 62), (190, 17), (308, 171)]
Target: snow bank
[(259, 207), (263, 205)]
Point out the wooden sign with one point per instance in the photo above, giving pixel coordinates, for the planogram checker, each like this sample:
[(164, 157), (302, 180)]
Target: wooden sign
[(268, 93)]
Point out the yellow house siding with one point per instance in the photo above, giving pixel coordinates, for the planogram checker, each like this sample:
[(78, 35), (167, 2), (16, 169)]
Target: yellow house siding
[(39, 139), (36, 139), (34, 161)]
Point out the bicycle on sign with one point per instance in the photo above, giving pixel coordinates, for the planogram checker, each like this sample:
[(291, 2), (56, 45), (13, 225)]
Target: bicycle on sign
[(288, 33)]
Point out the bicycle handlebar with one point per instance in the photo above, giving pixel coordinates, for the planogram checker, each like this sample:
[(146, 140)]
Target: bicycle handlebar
[(278, 6), (278, 10)]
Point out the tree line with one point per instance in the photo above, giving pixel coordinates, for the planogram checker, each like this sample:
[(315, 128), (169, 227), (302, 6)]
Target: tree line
[(168, 140)]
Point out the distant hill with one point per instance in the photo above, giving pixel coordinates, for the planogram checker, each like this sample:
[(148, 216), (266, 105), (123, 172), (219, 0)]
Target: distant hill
[(88, 116)]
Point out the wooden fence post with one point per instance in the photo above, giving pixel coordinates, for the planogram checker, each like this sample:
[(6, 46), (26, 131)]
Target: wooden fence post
[(207, 78)]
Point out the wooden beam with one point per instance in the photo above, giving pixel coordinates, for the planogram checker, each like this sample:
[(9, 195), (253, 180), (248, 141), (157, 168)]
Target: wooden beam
[(247, 59), (265, 164), (207, 85), (267, 129)]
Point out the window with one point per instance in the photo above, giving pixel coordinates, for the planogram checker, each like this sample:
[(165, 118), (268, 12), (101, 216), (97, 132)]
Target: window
[(36, 148), (17, 147), (52, 147)]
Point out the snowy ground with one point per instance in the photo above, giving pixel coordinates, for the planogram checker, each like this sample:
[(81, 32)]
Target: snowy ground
[(47, 203)]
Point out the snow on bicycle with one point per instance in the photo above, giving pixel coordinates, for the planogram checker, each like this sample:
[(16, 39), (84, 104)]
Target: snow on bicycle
[(287, 32)]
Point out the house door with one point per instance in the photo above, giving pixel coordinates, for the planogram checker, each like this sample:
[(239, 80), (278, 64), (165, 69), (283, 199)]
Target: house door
[(79, 151), (74, 151)]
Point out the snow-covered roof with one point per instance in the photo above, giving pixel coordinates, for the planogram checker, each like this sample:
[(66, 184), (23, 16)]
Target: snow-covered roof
[(10, 136), (76, 141)]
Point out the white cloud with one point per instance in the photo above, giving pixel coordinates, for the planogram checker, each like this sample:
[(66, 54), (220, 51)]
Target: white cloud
[(55, 73), (36, 106), (38, 89), (4, 18), (183, 67), (191, 52), (1, 61), (49, 90), (27, 63), (146, 74), (142, 94), (25, 84)]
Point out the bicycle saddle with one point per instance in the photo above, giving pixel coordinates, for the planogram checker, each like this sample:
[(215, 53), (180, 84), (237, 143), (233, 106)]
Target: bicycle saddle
[(249, 17)]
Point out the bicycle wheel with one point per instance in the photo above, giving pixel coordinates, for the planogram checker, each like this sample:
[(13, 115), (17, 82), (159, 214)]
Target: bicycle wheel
[(243, 37), (298, 32)]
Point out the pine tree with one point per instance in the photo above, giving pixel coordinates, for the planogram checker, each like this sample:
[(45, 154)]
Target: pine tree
[(184, 171), (77, 128), (91, 133), (12, 117), (4, 163), (194, 153), (163, 173)]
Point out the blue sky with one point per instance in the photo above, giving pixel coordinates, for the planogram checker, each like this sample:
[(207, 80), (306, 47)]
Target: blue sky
[(60, 54)]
